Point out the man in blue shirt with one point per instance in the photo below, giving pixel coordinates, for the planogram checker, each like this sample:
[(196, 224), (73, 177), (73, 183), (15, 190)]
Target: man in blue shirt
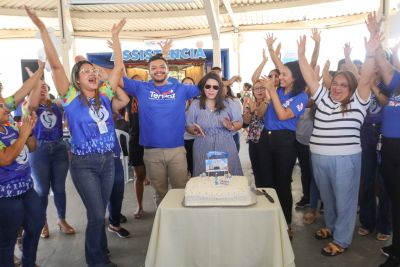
[(162, 125)]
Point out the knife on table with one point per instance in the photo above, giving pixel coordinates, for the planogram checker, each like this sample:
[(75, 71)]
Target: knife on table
[(268, 196)]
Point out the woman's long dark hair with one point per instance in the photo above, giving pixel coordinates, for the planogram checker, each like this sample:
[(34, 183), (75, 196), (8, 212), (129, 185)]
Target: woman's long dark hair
[(219, 99), (299, 84), (74, 80)]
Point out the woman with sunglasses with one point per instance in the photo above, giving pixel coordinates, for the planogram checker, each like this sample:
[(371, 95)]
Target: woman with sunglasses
[(20, 205), (88, 108), (49, 162), (212, 121)]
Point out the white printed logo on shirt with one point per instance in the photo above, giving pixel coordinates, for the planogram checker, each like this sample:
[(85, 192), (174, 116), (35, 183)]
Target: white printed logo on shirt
[(300, 107), (48, 119), (157, 95), (99, 116), (23, 156)]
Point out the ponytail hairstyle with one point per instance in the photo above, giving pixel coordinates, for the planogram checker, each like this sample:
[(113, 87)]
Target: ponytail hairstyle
[(74, 81)]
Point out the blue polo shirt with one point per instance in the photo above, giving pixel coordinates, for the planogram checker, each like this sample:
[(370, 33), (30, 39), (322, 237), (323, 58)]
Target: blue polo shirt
[(391, 112), (297, 105), (161, 111)]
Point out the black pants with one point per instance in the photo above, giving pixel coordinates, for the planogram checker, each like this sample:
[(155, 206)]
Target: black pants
[(189, 155), (278, 156), (391, 175), (255, 163), (303, 154)]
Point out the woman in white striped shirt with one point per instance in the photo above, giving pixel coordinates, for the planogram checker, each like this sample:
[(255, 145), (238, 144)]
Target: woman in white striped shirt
[(335, 145)]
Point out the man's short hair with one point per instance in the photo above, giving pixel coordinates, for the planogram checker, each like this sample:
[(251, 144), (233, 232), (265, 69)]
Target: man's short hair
[(157, 57), (216, 68)]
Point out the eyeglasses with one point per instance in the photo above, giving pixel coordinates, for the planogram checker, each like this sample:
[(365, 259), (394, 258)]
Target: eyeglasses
[(261, 88), (343, 85), (89, 71), (208, 87)]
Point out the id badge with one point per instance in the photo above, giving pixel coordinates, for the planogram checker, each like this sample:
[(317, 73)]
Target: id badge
[(102, 127)]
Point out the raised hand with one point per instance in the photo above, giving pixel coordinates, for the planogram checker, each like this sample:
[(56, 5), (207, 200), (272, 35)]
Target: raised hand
[(372, 44), (269, 84), (28, 122), (347, 50), (166, 46), (116, 28), (35, 19), (301, 46), (326, 66), (316, 35), (373, 25), (270, 40)]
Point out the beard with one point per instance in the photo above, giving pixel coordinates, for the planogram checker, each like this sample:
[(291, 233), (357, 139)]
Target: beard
[(159, 80)]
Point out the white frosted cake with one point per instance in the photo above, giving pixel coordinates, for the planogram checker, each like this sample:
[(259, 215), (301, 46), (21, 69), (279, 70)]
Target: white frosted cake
[(219, 191)]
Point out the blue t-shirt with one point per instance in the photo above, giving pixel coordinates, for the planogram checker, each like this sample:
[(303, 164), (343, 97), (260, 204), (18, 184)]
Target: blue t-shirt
[(161, 111), (92, 130), (15, 179), (49, 125), (374, 112), (391, 112), (297, 105)]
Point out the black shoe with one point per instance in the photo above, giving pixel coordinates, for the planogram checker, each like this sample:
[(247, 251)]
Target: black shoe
[(387, 251), (121, 232), (303, 203), (392, 261), (111, 264), (122, 218)]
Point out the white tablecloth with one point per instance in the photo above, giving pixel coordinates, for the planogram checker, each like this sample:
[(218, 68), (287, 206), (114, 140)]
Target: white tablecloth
[(254, 236)]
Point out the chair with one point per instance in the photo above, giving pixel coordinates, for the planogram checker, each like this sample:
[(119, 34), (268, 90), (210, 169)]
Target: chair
[(124, 158)]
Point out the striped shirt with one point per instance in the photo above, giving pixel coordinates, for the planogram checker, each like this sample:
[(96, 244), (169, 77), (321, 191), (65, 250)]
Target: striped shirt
[(335, 132)]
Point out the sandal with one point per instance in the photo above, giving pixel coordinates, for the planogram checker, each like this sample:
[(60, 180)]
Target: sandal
[(309, 218), (382, 237), (66, 228), (363, 231), (323, 233), (332, 249), (138, 214), (45, 231)]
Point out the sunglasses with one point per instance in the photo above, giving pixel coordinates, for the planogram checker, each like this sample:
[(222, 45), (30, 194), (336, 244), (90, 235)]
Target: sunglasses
[(208, 87), (89, 71)]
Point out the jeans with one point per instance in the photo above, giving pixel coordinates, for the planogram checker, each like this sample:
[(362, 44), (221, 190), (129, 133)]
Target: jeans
[(371, 216), (93, 177), (303, 154), (49, 163), (277, 155), (117, 194), (338, 180), (391, 177), (25, 211)]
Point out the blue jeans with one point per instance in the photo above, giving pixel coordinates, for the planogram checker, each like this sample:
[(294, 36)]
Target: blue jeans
[(371, 216), (338, 180), (25, 211), (93, 177), (117, 194), (49, 163)]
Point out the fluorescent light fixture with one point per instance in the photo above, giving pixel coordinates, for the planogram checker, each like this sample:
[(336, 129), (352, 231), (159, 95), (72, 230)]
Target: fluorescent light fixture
[(105, 2)]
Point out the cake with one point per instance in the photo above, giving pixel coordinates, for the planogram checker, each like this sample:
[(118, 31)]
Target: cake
[(218, 191)]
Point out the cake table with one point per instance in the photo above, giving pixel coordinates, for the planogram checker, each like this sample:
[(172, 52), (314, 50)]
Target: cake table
[(253, 236)]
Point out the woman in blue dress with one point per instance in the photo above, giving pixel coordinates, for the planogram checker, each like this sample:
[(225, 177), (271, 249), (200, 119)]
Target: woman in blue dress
[(212, 121)]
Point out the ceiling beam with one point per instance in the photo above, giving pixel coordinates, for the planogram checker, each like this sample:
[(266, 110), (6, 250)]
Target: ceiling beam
[(227, 4), (212, 13), (22, 13), (327, 23)]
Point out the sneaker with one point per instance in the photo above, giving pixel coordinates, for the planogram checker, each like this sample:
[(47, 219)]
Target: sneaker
[(303, 203), (122, 218), (387, 250), (121, 232), (392, 261)]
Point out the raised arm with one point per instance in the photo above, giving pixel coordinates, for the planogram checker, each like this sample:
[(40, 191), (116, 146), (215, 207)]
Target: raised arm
[(367, 71), (305, 67), (257, 72), (316, 36), (166, 47), (34, 96), (274, 57), (115, 76), (349, 65), (395, 55), (386, 70), (326, 76), (59, 76), (28, 85)]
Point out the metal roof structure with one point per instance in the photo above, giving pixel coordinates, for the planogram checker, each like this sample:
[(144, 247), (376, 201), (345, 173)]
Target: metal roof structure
[(181, 19)]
